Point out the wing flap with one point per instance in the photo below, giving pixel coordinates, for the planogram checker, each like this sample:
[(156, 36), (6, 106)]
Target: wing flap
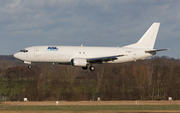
[(101, 59)]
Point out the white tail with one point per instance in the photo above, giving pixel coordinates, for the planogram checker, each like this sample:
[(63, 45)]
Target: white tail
[(147, 41)]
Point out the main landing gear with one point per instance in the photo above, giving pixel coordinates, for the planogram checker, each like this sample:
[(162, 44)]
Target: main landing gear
[(91, 68)]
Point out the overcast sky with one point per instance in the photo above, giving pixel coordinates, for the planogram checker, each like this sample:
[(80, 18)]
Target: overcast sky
[(25, 23)]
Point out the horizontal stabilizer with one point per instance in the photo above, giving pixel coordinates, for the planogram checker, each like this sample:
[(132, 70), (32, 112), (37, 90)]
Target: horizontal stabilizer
[(156, 50)]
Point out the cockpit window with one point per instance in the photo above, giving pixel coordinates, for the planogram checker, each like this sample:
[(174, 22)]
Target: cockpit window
[(24, 50)]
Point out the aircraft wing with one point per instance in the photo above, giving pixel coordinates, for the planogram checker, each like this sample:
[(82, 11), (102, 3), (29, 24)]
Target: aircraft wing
[(101, 59)]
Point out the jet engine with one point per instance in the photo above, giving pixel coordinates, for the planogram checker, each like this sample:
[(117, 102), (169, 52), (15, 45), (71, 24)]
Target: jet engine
[(79, 62)]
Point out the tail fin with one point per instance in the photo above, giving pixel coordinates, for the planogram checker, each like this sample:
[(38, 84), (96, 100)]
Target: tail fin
[(147, 41)]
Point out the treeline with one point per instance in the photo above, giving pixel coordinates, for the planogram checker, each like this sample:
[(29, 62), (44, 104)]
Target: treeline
[(154, 79)]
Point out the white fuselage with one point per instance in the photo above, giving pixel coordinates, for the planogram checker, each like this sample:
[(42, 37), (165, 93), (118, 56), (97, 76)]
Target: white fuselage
[(64, 54), (86, 56)]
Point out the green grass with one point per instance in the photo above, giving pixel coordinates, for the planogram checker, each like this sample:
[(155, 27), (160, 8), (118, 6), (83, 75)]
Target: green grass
[(90, 107)]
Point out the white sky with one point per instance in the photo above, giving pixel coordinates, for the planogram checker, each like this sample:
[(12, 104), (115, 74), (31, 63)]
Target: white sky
[(25, 23)]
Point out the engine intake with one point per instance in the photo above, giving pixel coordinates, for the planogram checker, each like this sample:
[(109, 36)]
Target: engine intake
[(79, 62)]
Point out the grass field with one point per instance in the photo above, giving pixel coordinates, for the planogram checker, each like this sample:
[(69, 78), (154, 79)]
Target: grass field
[(89, 106)]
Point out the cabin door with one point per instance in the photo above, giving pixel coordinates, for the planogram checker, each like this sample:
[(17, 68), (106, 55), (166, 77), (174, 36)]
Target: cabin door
[(36, 52)]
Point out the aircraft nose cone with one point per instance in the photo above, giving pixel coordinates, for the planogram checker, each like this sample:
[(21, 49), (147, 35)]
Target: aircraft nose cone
[(17, 55), (14, 55)]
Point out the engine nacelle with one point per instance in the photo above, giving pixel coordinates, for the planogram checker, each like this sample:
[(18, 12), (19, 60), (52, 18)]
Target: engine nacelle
[(79, 62)]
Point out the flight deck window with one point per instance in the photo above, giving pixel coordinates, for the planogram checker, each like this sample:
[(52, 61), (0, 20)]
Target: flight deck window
[(24, 50)]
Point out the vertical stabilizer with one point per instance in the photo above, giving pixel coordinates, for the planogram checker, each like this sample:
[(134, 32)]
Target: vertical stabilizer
[(147, 41)]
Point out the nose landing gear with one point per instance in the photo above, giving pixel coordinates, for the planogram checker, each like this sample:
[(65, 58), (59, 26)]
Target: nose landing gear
[(29, 67)]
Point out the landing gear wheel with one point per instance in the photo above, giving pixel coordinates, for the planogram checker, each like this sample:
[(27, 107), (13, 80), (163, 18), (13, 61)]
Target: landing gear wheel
[(84, 68), (91, 68), (29, 67)]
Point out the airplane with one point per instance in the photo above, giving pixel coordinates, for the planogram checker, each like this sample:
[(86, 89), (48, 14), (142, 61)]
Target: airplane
[(85, 57)]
